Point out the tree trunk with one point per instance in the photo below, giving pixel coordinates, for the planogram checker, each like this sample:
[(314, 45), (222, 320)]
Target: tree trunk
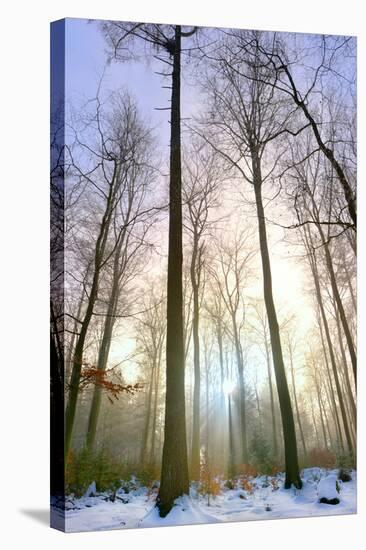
[(345, 369), (289, 434), (106, 341), (331, 390), (350, 286), (315, 426), (195, 453), (271, 397), (231, 460), (329, 342), (221, 360), (57, 472), (103, 359), (296, 402), (207, 410), (341, 311), (320, 408), (70, 353), (154, 413), (145, 434), (242, 411), (93, 294), (174, 472)]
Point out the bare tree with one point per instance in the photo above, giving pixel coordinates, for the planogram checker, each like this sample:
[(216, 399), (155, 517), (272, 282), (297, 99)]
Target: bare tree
[(129, 246), (201, 180), (261, 330), (245, 118), (230, 270), (118, 135), (277, 69), (151, 327)]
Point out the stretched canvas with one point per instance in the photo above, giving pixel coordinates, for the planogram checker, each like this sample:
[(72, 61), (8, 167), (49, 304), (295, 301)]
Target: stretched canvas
[(203, 275)]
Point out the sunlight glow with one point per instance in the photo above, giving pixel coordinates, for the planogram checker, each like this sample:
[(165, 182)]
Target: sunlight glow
[(228, 387)]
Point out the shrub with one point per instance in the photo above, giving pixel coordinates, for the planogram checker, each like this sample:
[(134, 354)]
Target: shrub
[(229, 484), (345, 460), (274, 483), (148, 475), (261, 453), (84, 467), (322, 458), (210, 484), (247, 485), (246, 470)]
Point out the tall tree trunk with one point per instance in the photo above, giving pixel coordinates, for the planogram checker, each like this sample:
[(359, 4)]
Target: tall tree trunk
[(57, 478), (351, 399), (207, 409), (271, 398), (104, 354), (331, 398), (145, 434), (338, 300), (70, 353), (195, 453), (174, 471), (221, 360), (154, 412), (289, 434), (350, 286), (93, 295), (315, 426), (314, 269), (118, 267), (242, 397), (295, 400), (231, 458), (320, 408), (258, 408), (326, 407)]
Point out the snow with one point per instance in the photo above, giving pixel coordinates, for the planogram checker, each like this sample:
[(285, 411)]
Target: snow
[(91, 490), (267, 501), (329, 487)]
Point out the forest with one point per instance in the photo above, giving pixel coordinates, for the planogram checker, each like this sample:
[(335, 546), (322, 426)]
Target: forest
[(203, 275)]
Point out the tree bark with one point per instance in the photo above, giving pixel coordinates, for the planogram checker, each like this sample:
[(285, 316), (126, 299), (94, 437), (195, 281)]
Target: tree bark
[(145, 434), (289, 434), (295, 401), (314, 422), (154, 413), (231, 460), (174, 472), (320, 408), (331, 390), (195, 453), (93, 294), (103, 354), (313, 265), (345, 370), (242, 397), (271, 397), (334, 285)]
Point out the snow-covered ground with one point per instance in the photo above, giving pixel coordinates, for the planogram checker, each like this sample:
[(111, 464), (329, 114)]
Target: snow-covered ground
[(136, 508)]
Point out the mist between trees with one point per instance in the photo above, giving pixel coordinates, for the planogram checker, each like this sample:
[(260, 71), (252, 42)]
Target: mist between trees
[(209, 329)]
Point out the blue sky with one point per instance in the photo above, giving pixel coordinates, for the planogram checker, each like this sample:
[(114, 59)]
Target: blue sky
[(86, 60)]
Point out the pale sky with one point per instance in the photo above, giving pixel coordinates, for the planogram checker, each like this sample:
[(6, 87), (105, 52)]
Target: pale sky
[(85, 64)]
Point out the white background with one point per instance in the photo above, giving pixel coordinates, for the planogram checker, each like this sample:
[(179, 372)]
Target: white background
[(24, 205)]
